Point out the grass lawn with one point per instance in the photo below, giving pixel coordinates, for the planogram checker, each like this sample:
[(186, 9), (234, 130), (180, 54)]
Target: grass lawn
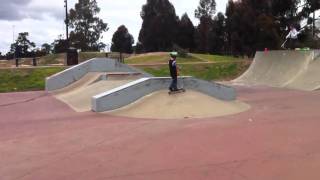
[(28, 79), (83, 56), (215, 58), (51, 59), (219, 71), (158, 58)]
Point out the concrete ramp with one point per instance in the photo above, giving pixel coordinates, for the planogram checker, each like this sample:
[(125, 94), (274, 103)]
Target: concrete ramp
[(96, 65), (78, 95), (289, 69), (309, 80), (131, 92), (104, 84), (191, 104)]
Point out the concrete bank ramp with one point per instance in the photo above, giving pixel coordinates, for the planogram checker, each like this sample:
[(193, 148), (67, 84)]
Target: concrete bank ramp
[(309, 79), (191, 104), (131, 92), (288, 69), (96, 65), (76, 85), (78, 95)]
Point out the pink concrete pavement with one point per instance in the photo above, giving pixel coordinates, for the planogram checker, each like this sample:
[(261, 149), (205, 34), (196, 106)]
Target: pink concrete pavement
[(278, 139)]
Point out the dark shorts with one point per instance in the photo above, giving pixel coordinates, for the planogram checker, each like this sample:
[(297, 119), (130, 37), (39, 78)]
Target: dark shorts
[(292, 43)]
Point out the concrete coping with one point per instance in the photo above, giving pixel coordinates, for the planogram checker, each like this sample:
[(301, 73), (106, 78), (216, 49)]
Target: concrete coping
[(75, 73), (120, 88), (67, 70), (130, 84)]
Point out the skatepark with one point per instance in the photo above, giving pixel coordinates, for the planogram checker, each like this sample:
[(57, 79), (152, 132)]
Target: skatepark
[(105, 120)]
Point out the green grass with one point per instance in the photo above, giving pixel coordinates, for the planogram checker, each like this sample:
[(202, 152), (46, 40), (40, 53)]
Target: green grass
[(143, 59), (139, 59), (51, 59), (29, 79), (219, 71), (159, 58), (83, 56), (215, 58)]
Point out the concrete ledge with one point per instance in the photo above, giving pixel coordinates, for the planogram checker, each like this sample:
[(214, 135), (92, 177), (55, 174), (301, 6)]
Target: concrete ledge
[(73, 74), (129, 93)]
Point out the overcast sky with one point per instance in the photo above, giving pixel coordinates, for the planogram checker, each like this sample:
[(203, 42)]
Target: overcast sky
[(44, 19)]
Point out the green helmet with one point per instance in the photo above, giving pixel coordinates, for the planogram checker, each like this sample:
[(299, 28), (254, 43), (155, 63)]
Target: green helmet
[(173, 54)]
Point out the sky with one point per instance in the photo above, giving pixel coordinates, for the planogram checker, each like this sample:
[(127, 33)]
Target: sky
[(44, 19)]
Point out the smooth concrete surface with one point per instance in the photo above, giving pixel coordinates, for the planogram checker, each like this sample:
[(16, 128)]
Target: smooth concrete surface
[(41, 138), (288, 69), (86, 80), (129, 93), (190, 104), (78, 95), (73, 74), (80, 99), (309, 79)]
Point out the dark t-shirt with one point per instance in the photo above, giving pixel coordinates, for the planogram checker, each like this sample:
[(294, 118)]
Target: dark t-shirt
[(173, 68)]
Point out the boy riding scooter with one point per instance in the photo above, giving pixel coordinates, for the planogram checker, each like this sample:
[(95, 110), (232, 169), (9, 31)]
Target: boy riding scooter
[(292, 37), (174, 74)]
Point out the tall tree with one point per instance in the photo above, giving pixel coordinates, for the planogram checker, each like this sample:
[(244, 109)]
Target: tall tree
[(59, 45), (87, 26), (310, 8), (204, 13), (159, 27), (22, 46), (206, 9), (46, 48), (185, 37), (217, 35), (285, 13), (252, 25), (122, 40)]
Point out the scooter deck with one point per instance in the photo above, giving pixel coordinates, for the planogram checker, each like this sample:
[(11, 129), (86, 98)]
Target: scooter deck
[(177, 92)]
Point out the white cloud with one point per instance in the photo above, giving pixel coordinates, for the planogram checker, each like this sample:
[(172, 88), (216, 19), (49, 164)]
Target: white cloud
[(44, 20)]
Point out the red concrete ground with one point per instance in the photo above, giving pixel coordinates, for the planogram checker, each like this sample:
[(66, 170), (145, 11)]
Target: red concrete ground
[(278, 139)]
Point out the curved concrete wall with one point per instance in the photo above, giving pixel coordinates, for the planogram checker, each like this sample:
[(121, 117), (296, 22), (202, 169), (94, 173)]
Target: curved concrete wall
[(309, 79), (289, 69), (133, 91), (275, 68), (73, 74)]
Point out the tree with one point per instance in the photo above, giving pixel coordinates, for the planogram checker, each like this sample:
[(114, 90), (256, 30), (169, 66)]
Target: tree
[(87, 26), (122, 41), (185, 37), (22, 46), (254, 25), (59, 45), (204, 13), (285, 13), (46, 48), (159, 27), (206, 9), (217, 35), (311, 6)]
